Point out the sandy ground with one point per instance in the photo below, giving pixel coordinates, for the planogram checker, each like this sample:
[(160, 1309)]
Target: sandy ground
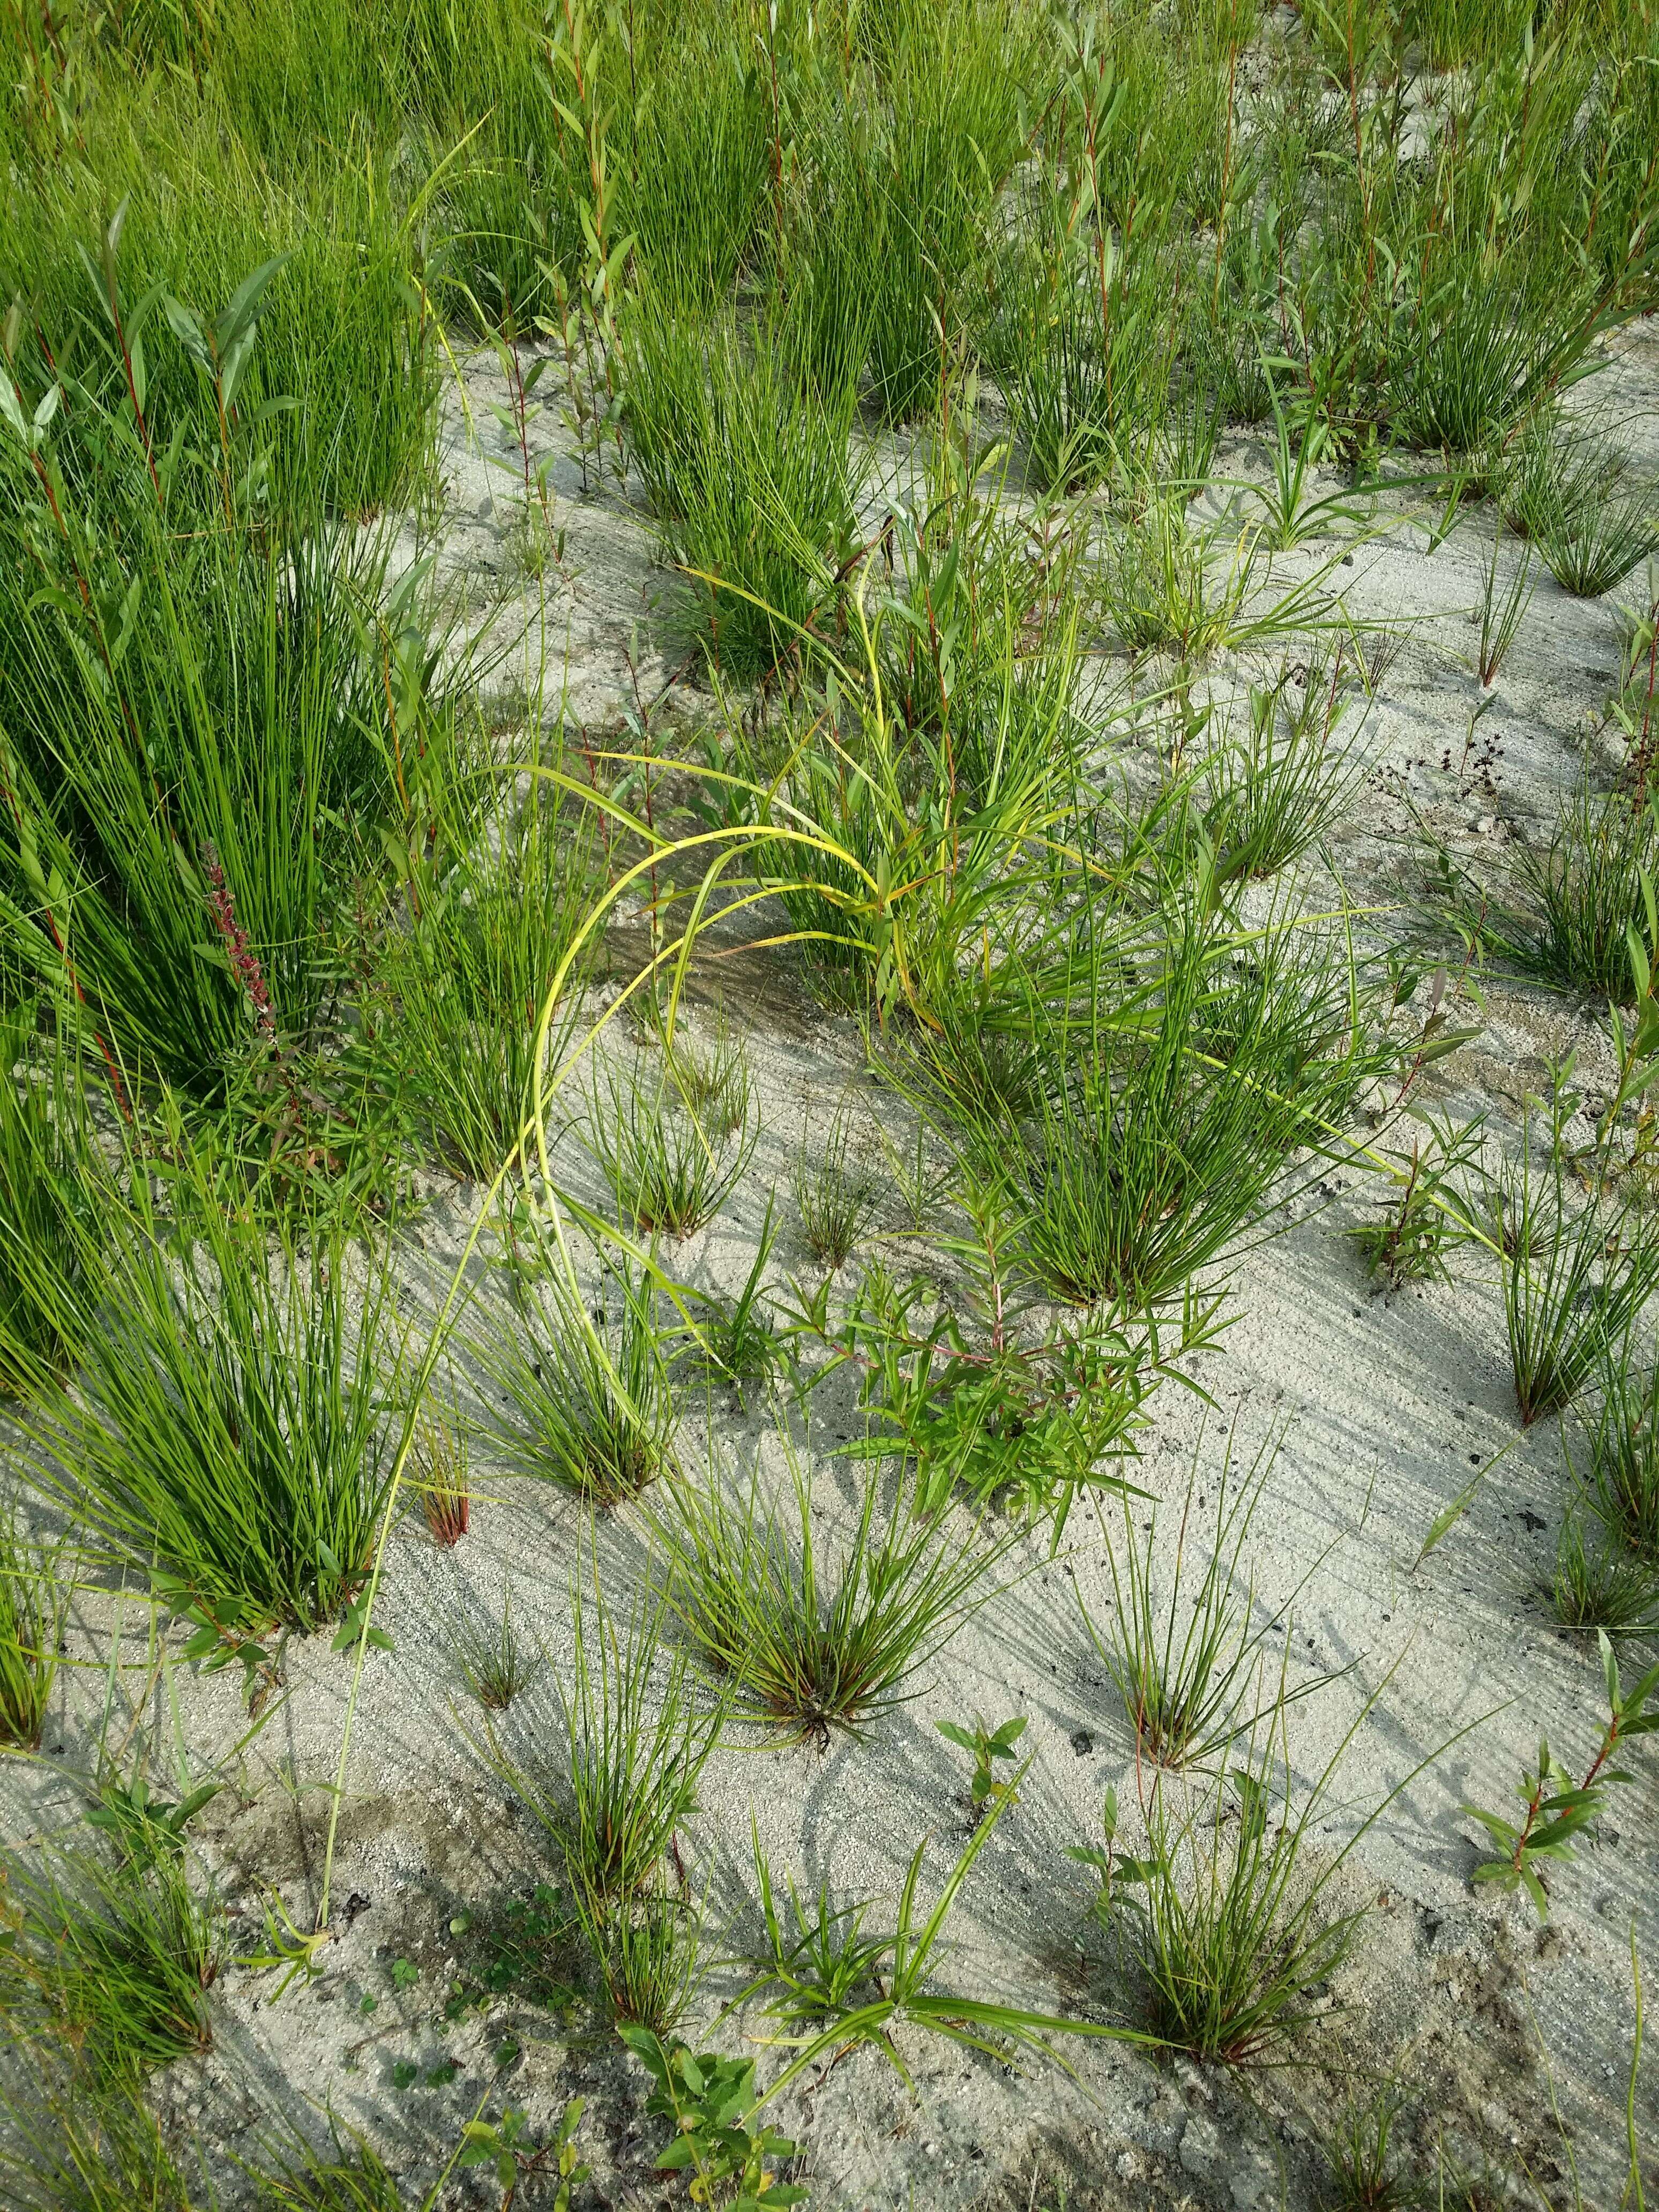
[(1385, 1405)]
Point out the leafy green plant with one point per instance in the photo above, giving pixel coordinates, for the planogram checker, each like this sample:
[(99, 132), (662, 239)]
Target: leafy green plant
[(520, 1950), (803, 1652), (987, 1746), (113, 1954), (33, 1602), (842, 1989), (1554, 1807), (710, 2101), (146, 1827), (978, 1400), (504, 2147), (1112, 1866)]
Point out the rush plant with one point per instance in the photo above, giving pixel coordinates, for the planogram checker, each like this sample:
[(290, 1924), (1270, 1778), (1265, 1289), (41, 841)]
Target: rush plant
[(1233, 1932), (34, 1594), (670, 1170), (113, 1954), (1187, 1661), (47, 1203), (1624, 1449), (803, 1649), (585, 1396), (231, 1436), (635, 1749), (1575, 1275)]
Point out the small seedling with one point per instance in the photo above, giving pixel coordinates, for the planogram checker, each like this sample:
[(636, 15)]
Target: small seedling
[(1556, 1808), (521, 1945), (1112, 1865), (986, 1746)]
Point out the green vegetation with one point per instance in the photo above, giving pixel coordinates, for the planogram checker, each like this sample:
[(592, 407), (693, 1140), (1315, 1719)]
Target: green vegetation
[(391, 895)]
